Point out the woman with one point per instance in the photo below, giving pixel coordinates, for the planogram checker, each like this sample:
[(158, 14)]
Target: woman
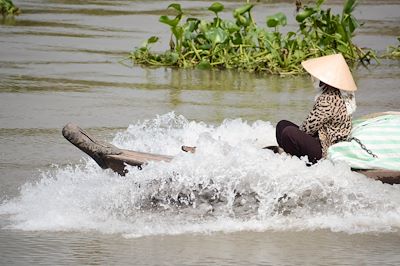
[(330, 119)]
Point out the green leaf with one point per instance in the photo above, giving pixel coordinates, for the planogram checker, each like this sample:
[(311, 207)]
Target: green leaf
[(319, 3), (349, 6), (204, 64), (152, 39), (343, 49), (301, 16), (353, 24), (270, 36), (7, 8), (205, 46), (178, 32), (340, 30), (188, 36), (299, 54), (271, 22), (243, 9), (216, 35), (192, 24), (170, 22), (242, 21), (237, 39), (216, 22), (230, 26), (171, 57), (279, 19), (337, 36), (203, 26), (177, 7), (290, 34), (216, 7)]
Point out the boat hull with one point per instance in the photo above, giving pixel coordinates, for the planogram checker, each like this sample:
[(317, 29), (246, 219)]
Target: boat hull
[(107, 156)]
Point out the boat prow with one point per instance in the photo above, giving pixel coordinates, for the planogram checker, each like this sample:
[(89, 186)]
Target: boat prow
[(105, 154)]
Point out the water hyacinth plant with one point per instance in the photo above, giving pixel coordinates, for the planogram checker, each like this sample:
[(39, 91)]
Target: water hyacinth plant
[(393, 51), (241, 44), (8, 8)]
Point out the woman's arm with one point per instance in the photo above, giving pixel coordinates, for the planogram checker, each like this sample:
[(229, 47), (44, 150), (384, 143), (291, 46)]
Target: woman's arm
[(321, 113)]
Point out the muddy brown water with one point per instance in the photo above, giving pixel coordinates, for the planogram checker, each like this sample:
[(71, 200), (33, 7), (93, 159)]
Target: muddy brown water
[(59, 62)]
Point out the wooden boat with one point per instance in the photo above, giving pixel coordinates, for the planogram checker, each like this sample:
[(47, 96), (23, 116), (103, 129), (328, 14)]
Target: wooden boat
[(107, 155)]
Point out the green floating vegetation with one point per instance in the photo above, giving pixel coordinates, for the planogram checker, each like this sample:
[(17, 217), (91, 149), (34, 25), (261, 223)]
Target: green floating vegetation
[(393, 51), (8, 8), (241, 44)]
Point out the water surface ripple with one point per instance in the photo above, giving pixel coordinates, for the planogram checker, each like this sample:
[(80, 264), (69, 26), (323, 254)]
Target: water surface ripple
[(231, 203)]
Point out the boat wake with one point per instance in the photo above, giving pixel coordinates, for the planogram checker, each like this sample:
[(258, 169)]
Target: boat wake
[(230, 184)]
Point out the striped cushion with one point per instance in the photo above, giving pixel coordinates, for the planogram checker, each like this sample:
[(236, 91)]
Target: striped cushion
[(380, 135)]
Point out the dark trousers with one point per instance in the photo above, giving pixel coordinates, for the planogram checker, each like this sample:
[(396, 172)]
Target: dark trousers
[(296, 142)]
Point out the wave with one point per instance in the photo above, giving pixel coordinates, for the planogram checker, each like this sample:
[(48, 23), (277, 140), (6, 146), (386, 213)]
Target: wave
[(230, 184)]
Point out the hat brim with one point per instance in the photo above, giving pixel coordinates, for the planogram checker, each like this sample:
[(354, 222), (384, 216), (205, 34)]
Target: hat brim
[(332, 70)]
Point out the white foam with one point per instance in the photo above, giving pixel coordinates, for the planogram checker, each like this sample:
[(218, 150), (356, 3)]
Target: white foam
[(198, 193)]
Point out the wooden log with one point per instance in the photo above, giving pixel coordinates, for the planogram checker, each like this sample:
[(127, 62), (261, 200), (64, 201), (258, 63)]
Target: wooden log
[(107, 155)]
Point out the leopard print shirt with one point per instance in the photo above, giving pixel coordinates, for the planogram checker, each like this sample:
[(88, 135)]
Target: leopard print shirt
[(328, 119)]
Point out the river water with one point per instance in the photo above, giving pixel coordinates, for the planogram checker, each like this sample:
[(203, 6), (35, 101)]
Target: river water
[(60, 62)]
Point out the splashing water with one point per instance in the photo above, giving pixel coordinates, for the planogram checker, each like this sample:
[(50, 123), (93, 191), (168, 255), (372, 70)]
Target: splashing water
[(229, 184)]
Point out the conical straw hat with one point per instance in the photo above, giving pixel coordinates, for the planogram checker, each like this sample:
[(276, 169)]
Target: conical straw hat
[(332, 70)]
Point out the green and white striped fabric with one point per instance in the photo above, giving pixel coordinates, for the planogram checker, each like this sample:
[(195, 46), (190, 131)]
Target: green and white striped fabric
[(380, 135)]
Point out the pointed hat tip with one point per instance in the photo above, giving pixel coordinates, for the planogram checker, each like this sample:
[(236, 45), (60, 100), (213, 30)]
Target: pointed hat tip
[(332, 70)]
